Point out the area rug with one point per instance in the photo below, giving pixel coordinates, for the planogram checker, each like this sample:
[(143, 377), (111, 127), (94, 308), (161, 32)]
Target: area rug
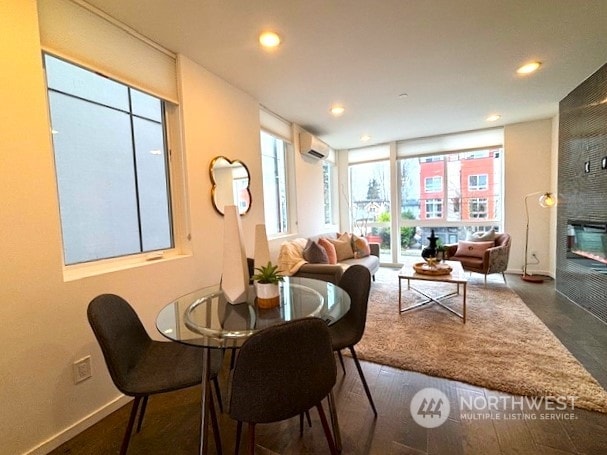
[(502, 346)]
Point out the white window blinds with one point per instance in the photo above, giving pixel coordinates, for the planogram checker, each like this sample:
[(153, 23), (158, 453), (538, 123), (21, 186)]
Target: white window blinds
[(85, 35), (457, 142)]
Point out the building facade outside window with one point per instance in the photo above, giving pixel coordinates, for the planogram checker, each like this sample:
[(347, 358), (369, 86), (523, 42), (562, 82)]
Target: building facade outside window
[(478, 208), (275, 186), (433, 184), (477, 182), (434, 208), (112, 165)]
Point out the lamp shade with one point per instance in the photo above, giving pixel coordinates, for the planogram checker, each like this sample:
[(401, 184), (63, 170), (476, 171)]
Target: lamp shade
[(547, 200)]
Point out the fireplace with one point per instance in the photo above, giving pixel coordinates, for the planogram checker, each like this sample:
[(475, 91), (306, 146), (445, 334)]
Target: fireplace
[(588, 240), (581, 243)]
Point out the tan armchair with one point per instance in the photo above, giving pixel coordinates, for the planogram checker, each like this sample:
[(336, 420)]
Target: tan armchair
[(492, 260)]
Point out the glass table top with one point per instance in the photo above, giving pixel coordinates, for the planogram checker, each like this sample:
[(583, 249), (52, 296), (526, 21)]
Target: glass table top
[(205, 318)]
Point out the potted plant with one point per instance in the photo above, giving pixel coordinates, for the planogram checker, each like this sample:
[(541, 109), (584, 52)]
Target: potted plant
[(266, 281)]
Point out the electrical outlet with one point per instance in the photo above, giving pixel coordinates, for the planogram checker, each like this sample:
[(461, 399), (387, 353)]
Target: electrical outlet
[(82, 369)]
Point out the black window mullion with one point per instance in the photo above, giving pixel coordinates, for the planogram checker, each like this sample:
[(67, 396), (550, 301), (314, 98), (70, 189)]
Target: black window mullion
[(135, 173)]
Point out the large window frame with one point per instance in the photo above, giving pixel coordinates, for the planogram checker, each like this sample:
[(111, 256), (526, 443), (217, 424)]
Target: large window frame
[(330, 202), (276, 175), (164, 198), (411, 162)]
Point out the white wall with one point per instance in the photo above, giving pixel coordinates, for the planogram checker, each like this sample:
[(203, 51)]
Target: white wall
[(528, 152), (44, 325)]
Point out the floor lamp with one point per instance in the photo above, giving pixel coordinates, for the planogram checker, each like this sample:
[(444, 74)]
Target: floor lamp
[(546, 200)]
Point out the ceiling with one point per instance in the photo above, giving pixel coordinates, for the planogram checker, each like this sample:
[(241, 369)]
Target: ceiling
[(455, 59)]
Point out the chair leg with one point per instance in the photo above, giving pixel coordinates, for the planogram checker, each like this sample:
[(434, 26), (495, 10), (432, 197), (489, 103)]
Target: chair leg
[(362, 378), (142, 412), (238, 433), (215, 424), (301, 416), (334, 421), (504, 277), (327, 430), (129, 426), (251, 450), (341, 360), (218, 393)]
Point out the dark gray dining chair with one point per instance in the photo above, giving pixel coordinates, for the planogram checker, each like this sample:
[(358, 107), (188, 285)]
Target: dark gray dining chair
[(281, 372), (348, 331), (140, 366)]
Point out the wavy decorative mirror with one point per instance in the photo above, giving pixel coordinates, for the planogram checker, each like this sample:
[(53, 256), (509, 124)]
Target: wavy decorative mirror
[(230, 181)]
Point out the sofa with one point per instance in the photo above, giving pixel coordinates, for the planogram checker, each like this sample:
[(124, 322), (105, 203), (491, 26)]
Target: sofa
[(293, 260)]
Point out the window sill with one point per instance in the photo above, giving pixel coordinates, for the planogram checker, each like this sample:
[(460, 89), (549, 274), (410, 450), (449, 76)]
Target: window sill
[(80, 271)]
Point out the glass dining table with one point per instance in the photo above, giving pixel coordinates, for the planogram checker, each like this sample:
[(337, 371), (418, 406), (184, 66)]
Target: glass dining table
[(204, 318)]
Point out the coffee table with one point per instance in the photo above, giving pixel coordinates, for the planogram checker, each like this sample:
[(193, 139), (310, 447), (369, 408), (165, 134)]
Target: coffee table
[(456, 276)]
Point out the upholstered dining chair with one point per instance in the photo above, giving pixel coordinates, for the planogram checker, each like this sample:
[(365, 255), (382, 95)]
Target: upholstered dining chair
[(348, 331), (140, 366), (281, 372)]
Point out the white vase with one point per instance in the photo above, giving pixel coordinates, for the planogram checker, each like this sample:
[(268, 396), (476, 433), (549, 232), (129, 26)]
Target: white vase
[(261, 256), (268, 294), (235, 273)]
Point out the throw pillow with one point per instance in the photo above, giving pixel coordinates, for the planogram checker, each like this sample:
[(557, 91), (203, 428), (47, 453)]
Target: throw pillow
[(344, 236), (315, 254), (361, 246), (481, 236), (343, 248), (330, 250), (473, 249)]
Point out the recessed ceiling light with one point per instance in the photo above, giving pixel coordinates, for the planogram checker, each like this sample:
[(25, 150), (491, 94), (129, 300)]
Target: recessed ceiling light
[(365, 137), (493, 118), (337, 110), (269, 39), (529, 68)]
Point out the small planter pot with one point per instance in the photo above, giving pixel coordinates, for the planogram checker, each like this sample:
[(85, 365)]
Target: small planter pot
[(268, 295)]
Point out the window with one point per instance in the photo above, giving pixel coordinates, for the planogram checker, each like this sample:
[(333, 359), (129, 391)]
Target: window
[(477, 182), (111, 165), (478, 207), (274, 169), (328, 183), (433, 184), (434, 208)]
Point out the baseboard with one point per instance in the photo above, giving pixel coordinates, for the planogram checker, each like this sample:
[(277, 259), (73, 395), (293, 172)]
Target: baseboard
[(78, 427)]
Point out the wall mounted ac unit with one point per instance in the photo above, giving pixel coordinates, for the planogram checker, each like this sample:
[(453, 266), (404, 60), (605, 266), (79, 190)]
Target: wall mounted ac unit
[(312, 146)]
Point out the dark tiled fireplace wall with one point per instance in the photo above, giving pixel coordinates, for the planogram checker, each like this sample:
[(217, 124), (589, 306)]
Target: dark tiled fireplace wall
[(582, 188)]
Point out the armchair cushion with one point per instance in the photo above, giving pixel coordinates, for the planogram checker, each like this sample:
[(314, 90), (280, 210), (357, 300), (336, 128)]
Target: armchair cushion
[(473, 249)]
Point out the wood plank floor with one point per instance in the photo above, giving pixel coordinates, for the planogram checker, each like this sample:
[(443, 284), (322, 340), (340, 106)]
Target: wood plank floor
[(171, 423)]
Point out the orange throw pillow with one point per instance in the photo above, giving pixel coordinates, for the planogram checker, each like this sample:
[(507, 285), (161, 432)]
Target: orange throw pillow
[(330, 249)]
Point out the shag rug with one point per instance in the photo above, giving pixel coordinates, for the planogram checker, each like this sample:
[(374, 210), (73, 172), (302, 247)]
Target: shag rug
[(502, 346)]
